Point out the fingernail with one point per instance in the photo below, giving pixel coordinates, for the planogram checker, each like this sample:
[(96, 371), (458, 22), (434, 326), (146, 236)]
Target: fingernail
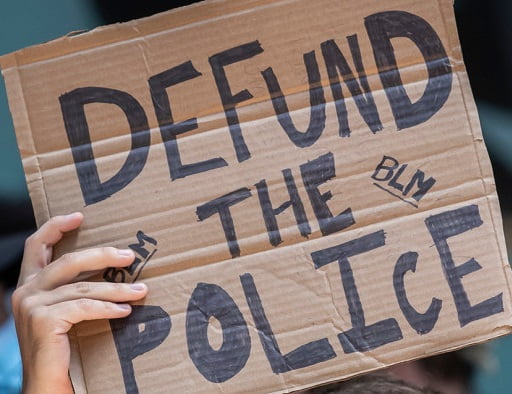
[(125, 252), (124, 307), (74, 215), (138, 286)]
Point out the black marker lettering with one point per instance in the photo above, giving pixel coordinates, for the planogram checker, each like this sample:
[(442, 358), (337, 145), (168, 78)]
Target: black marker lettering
[(230, 100), (384, 26), (449, 224), (389, 169), (140, 247), (77, 130), (308, 354), (423, 323), (217, 366), (394, 181), (221, 206), (169, 130), (131, 342), (336, 62), (269, 213), (360, 337), (423, 186), (314, 173), (316, 101), (141, 250)]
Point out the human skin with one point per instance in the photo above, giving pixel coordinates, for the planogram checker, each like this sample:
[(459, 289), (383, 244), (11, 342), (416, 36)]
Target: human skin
[(50, 299)]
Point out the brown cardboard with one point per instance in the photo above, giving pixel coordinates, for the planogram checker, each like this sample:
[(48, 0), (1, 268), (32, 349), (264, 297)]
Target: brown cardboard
[(422, 266)]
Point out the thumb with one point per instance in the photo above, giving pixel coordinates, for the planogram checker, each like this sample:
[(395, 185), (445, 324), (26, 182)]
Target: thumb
[(38, 247)]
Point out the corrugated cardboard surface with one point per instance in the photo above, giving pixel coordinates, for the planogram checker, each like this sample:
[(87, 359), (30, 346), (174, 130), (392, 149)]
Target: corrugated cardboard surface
[(302, 303)]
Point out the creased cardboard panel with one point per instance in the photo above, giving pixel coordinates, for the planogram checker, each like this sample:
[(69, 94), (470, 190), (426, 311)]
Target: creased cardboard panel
[(374, 174), (304, 304)]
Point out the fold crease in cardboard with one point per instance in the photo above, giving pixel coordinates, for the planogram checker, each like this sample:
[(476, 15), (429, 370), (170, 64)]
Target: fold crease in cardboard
[(304, 184)]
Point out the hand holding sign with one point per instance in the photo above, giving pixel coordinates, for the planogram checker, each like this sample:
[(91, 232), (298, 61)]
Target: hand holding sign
[(49, 300)]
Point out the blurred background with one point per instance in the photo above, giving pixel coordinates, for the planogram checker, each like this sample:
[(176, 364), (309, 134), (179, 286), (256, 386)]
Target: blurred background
[(486, 37)]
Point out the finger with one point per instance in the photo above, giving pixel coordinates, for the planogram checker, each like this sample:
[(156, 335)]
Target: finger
[(38, 246), (65, 269), (66, 314), (112, 292)]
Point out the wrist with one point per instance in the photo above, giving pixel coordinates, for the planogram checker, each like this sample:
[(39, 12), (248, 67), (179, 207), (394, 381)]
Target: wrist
[(34, 383)]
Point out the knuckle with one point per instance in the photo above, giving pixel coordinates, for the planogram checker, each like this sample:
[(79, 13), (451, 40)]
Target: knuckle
[(85, 304), (31, 277), (66, 258), (108, 250), (23, 302), (25, 305), (31, 239), (37, 317), (82, 287), (17, 298), (120, 287)]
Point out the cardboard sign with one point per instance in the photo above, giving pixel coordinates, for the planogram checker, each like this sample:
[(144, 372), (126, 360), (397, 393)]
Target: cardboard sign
[(304, 184)]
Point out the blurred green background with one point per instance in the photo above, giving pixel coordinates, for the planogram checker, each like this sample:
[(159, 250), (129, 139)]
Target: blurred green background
[(486, 37), (24, 23)]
